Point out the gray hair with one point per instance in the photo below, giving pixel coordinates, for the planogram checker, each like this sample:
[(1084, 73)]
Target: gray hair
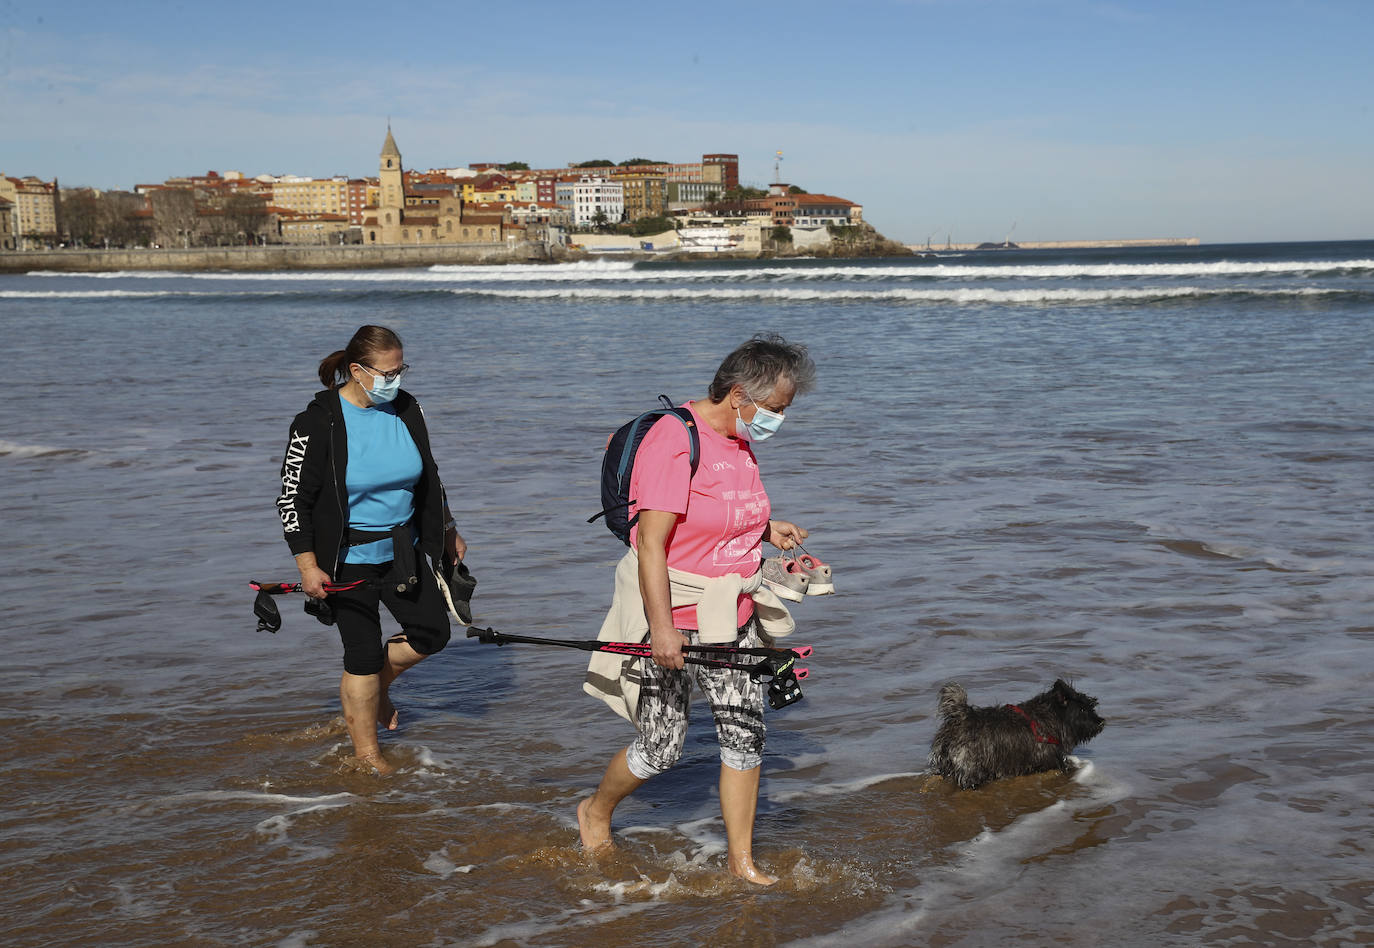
[(762, 362)]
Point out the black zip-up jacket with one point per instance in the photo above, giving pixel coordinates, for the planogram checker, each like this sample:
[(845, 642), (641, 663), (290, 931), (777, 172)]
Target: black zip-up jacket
[(313, 503)]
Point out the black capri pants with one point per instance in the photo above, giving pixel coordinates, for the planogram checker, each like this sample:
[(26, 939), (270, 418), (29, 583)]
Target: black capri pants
[(420, 610)]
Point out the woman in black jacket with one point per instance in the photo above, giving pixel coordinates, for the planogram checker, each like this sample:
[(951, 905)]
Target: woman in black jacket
[(361, 500)]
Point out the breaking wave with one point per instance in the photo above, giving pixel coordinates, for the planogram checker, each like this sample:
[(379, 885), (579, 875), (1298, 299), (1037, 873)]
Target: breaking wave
[(898, 295), (956, 295), (442, 273), (628, 271), (93, 294)]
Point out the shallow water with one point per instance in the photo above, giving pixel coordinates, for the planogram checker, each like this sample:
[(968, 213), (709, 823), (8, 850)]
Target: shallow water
[(1147, 472)]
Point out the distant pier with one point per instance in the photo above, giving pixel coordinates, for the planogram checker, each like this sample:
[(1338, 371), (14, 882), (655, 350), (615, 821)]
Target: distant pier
[(1067, 244)]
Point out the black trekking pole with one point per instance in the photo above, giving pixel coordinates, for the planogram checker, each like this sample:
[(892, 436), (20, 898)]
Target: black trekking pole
[(778, 665)]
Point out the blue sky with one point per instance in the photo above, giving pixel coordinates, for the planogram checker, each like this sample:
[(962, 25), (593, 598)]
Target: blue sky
[(1062, 119)]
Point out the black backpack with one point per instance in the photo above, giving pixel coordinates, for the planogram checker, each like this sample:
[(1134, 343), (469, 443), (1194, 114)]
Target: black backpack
[(619, 462)]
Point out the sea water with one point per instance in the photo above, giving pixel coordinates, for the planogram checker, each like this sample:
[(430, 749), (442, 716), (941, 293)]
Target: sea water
[(1145, 471)]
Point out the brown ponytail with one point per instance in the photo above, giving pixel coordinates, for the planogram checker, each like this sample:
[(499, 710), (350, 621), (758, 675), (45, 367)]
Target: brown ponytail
[(367, 342)]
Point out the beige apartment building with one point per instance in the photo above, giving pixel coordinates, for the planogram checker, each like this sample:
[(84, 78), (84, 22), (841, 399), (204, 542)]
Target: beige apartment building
[(491, 187), (645, 193), (35, 210), (314, 229), (6, 224), (310, 196)]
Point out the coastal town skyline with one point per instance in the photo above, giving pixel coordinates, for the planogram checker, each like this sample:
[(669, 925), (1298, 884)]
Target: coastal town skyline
[(971, 121), (697, 206)]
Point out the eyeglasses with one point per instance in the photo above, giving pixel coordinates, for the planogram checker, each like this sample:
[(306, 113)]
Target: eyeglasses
[(388, 376)]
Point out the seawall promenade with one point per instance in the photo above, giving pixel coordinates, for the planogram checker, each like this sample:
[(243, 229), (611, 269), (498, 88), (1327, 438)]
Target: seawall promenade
[(349, 257)]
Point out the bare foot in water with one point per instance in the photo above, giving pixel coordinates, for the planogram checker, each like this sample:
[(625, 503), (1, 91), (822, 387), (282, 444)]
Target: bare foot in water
[(387, 716), (375, 762), (596, 834), (746, 870)]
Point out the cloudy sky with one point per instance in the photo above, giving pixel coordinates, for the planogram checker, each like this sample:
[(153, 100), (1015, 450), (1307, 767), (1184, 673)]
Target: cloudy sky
[(947, 119)]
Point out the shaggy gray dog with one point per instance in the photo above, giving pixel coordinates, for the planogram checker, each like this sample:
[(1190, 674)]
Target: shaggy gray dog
[(975, 745)]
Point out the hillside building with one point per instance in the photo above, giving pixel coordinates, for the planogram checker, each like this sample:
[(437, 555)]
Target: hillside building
[(312, 229), (820, 210), (35, 210), (592, 200), (6, 224), (310, 196), (643, 192)]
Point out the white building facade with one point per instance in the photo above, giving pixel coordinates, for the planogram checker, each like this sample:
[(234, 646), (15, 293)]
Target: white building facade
[(597, 196)]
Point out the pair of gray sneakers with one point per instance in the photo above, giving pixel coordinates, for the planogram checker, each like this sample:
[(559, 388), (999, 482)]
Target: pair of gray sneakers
[(795, 576)]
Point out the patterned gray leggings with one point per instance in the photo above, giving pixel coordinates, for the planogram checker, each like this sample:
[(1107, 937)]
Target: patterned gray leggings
[(664, 700)]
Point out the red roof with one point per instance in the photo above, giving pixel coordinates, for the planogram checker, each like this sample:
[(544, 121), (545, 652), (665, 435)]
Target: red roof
[(803, 199)]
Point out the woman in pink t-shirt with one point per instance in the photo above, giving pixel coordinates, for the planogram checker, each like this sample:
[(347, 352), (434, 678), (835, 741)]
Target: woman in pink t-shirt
[(711, 523)]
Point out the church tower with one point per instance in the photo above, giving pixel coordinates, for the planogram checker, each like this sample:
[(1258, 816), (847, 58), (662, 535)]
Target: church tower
[(391, 176)]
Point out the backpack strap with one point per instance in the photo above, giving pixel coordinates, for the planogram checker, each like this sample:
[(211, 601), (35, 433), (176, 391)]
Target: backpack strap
[(689, 422), (684, 415), (615, 483)]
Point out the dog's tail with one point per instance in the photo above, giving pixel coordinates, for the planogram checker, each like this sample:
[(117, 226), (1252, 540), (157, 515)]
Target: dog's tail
[(953, 700)]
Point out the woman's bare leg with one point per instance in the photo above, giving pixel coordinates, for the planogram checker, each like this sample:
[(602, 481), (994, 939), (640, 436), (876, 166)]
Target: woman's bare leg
[(399, 656), (739, 798), (359, 695), (594, 813)]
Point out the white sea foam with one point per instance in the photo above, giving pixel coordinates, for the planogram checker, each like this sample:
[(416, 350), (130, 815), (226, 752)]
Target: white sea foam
[(895, 295), (581, 270), (964, 296), (277, 828), (1282, 560), (253, 796), (990, 862), (90, 294), (837, 789), (521, 272), (300, 939), (626, 271), (587, 913), (708, 833), (443, 867), (1069, 271), (16, 450)]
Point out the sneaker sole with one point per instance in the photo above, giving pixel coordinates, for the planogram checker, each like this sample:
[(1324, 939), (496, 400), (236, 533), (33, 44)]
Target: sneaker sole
[(784, 592), (820, 589)]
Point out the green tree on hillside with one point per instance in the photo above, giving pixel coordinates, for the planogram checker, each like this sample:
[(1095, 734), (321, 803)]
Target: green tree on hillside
[(651, 225)]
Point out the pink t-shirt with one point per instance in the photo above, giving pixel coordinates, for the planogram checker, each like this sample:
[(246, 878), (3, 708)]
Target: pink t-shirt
[(722, 512)]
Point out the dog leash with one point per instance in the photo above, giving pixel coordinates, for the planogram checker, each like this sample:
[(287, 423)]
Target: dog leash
[(1034, 726)]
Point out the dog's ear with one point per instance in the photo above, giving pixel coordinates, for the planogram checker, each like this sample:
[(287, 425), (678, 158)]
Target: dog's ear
[(1062, 691)]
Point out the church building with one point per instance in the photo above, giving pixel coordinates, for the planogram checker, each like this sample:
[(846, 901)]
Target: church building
[(421, 213)]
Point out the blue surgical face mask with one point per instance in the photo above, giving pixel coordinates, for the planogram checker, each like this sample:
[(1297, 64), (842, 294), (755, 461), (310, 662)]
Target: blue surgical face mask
[(382, 391), (765, 424)]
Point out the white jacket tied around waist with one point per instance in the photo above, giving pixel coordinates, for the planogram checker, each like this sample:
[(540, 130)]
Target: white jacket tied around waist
[(615, 679)]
